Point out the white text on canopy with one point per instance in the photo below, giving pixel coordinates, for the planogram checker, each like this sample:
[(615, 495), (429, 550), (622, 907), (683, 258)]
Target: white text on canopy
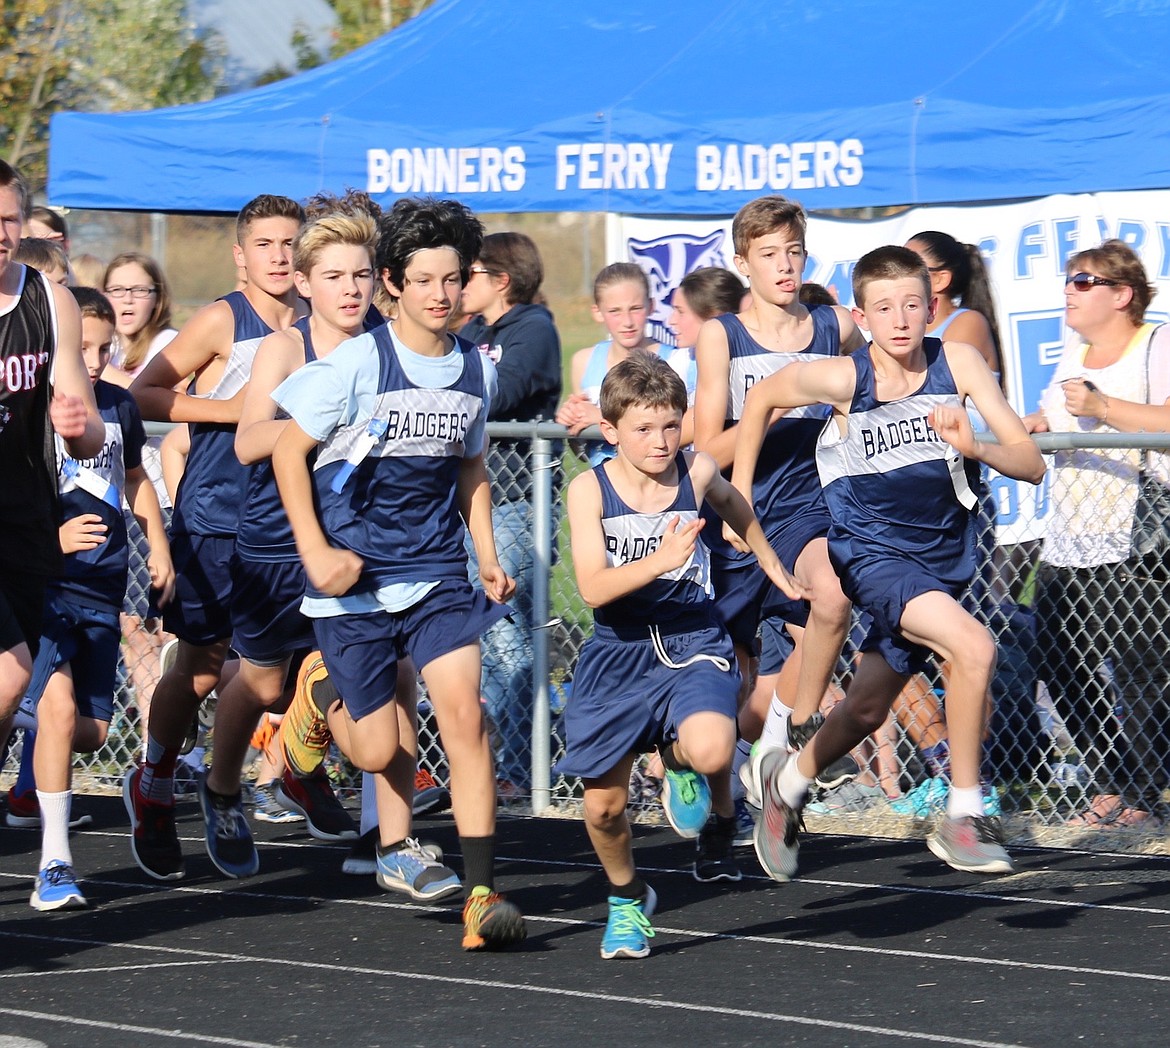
[(464, 170), (794, 165), (613, 165)]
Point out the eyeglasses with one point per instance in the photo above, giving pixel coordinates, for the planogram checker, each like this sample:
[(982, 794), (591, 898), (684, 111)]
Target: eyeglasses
[(138, 291), (1086, 281), (936, 269), (479, 269)]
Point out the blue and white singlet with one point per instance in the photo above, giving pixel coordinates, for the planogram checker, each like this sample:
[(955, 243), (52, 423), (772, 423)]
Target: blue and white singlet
[(894, 488)]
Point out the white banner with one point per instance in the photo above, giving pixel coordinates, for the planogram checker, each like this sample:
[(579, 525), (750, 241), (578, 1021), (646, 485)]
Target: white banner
[(1025, 246)]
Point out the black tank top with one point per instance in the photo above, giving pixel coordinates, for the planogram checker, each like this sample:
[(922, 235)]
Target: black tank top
[(28, 490)]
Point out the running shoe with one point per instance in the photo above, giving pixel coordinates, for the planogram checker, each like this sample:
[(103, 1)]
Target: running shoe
[(925, 799), (627, 930), (154, 840), (850, 798), (362, 860), (686, 800), (745, 823), (266, 808), (973, 844), (313, 796), (714, 860), (24, 810), (304, 733), (490, 921), (56, 889), (840, 771), (411, 870), (429, 797), (226, 834), (775, 838)]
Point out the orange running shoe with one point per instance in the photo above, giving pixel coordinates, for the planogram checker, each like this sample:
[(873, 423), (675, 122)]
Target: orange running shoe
[(490, 921), (429, 796), (304, 733)]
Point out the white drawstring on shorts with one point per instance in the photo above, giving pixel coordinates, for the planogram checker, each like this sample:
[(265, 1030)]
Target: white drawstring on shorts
[(670, 664)]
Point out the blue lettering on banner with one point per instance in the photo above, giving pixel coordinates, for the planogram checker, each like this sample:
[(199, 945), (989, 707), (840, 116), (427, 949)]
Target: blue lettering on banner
[(1039, 341), (1132, 233), (1031, 246), (1163, 272), (1065, 232)]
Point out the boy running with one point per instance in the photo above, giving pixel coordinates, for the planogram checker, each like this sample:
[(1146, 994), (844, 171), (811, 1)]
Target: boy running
[(216, 346), (397, 420), (734, 352), (660, 669), (72, 687), (898, 463)]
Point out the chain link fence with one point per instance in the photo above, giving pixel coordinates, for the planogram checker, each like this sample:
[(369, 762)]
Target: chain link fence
[(1079, 731)]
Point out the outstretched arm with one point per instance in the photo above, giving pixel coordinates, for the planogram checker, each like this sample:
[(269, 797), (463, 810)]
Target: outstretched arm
[(734, 509), (1016, 454), (829, 381)]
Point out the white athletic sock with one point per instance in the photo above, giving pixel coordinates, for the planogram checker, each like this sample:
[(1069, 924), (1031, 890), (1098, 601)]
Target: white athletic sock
[(369, 803), (743, 751), (792, 785), (775, 733), (967, 800), (55, 827)]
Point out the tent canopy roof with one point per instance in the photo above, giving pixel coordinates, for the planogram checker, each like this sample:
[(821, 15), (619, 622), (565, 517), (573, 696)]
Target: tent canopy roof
[(690, 108)]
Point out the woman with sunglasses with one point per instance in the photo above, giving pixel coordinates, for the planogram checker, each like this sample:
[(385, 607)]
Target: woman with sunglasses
[(1101, 614)]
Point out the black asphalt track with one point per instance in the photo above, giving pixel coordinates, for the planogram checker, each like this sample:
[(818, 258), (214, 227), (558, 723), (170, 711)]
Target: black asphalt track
[(876, 943)]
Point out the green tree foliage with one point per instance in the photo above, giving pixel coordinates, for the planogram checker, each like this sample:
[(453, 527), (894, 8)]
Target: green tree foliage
[(364, 20), (95, 55), (34, 71)]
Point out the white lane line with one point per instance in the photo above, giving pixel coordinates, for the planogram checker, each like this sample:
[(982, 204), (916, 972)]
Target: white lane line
[(496, 984), (107, 969), (691, 933), (150, 1031)]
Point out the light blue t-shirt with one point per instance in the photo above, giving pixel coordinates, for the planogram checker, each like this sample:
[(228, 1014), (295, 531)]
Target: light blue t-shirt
[(342, 389)]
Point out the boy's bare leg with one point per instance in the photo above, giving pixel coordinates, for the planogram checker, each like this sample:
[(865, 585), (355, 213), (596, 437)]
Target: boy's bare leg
[(241, 704), (825, 632), (177, 697), (607, 823), (452, 682), (706, 743), (939, 622)]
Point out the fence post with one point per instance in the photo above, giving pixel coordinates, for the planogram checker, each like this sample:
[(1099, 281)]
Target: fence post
[(542, 540)]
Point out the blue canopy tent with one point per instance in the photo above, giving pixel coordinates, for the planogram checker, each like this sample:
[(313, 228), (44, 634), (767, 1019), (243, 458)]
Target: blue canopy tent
[(691, 107)]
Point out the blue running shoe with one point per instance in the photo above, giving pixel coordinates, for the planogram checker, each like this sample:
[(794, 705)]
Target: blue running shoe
[(56, 889), (226, 834), (745, 824), (928, 797), (627, 931), (686, 800), (411, 869)]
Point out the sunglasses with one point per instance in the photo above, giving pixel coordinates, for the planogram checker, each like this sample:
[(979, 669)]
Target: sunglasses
[(1086, 281)]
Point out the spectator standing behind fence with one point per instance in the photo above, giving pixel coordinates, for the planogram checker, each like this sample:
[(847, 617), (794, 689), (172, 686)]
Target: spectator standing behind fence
[(137, 287), (964, 309), (518, 335), (1101, 611)]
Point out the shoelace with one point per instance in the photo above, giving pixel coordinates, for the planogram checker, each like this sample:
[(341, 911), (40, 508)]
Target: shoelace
[(413, 850), (628, 919), (59, 874), (687, 787), (227, 822)]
